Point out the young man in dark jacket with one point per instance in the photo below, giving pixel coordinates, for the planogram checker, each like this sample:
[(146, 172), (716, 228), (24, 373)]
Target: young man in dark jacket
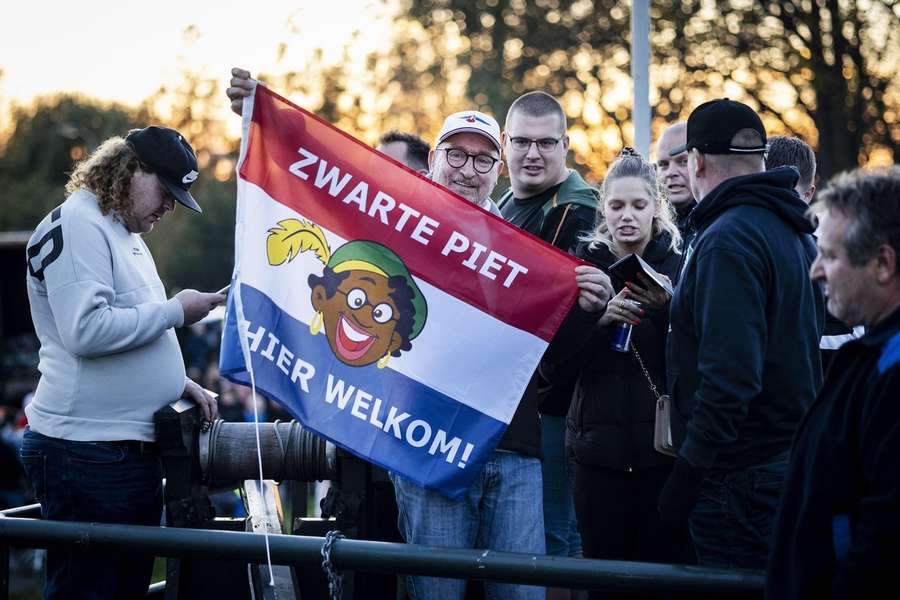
[(743, 357), (838, 531), (554, 203), (785, 151)]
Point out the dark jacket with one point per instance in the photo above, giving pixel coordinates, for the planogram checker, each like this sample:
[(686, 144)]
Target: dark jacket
[(610, 421), (743, 352), (683, 223), (838, 531), (835, 334), (561, 219)]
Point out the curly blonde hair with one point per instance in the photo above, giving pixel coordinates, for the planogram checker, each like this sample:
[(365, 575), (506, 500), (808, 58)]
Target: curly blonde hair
[(107, 173), (631, 164)]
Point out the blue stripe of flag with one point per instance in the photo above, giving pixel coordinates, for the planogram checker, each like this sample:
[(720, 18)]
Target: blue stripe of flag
[(370, 421)]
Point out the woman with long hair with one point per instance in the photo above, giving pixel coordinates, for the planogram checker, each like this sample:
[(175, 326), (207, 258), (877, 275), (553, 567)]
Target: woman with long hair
[(609, 431)]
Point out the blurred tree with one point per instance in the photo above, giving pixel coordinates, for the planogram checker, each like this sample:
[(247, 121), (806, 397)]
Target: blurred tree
[(192, 103), (826, 67), (51, 134), (446, 56), (576, 50), (46, 138), (821, 69), (191, 250), (410, 86)]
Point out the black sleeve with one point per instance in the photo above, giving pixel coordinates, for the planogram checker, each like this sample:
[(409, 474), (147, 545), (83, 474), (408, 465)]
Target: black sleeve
[(572, 336), (873, 558), (732, 341)]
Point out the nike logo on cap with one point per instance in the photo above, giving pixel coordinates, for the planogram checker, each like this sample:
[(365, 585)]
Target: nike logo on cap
[(190, 177)]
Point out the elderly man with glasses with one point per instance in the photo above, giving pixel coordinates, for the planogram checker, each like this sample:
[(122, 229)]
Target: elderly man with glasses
[(466, 157), (502, 509)]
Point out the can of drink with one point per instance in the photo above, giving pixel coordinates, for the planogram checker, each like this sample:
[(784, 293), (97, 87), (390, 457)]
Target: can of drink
[(621, 341)]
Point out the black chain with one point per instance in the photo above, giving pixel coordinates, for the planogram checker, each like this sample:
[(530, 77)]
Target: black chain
[(335, 587)]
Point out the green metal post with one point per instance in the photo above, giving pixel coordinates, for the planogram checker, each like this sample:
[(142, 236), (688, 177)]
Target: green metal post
[(386, 557)]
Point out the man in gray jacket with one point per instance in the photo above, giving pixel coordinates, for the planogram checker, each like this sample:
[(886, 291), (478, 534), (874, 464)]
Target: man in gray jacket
[(109, 358)]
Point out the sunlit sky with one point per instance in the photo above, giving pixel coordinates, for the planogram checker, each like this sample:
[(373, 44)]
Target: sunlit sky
[(123, 51)]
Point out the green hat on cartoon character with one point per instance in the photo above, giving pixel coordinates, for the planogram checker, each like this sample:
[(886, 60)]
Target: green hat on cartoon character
[(366, 300)]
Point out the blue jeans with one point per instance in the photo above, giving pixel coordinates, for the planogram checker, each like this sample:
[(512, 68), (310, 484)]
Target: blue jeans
[(501, 511), (560, 525), (734, 519), (94, 482)]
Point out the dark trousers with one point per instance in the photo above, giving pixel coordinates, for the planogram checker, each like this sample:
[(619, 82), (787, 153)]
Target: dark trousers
[(733, 521), (94, 482), (618, 519)]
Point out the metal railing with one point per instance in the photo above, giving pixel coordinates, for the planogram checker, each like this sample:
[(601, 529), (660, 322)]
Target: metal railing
[(350, 554)]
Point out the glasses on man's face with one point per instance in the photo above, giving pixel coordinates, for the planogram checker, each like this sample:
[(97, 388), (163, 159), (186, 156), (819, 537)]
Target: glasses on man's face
[(523, 144), (457, 159)]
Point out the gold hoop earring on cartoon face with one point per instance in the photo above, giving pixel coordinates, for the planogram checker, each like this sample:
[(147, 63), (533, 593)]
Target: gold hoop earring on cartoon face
[(315, 326), (383, 361)]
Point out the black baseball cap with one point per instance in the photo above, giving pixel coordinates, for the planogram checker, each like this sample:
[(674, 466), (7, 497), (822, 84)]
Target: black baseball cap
[(170, 157), (713, 125)]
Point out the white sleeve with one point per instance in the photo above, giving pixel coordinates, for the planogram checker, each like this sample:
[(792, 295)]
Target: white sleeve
[(82, 293)]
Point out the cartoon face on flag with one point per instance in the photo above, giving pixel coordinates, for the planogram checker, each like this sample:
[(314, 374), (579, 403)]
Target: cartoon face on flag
[(366, 299), (381, 310)]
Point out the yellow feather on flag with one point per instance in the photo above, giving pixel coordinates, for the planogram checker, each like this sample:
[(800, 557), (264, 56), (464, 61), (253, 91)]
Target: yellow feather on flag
[(293, 236)]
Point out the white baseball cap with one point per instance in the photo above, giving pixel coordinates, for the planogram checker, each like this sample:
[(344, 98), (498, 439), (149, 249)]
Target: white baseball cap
[(471, 121)]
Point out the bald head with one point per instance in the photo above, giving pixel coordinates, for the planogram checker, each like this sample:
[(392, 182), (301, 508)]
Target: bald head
[(709, 170), (672, 170), (678, 130)]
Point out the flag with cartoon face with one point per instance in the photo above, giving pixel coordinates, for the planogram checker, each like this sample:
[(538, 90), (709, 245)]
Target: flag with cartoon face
[(382, 311), (366, 300)]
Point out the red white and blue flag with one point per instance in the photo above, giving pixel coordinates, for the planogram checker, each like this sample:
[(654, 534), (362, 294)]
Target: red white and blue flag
[(384, 312)]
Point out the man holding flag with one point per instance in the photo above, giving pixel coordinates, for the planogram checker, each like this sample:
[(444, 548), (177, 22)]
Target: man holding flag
[(500, 508)]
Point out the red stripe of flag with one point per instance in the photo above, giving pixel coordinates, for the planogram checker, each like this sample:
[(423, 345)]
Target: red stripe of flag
[(536, 301)]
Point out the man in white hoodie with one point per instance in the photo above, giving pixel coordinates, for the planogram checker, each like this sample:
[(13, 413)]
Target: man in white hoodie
[(109, 358)]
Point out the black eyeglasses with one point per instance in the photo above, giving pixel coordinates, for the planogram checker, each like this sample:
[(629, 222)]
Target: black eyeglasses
[(523, 144), (456, 158), (356, 298)]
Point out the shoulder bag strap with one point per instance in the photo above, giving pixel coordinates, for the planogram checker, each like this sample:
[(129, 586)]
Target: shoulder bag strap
[(561, 221), (646, 372)]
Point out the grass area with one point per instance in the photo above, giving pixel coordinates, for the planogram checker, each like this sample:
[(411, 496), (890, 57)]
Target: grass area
[(159, 570)]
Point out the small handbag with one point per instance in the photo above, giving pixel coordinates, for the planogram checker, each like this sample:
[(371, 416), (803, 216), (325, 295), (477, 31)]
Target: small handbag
[(662, 430)]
